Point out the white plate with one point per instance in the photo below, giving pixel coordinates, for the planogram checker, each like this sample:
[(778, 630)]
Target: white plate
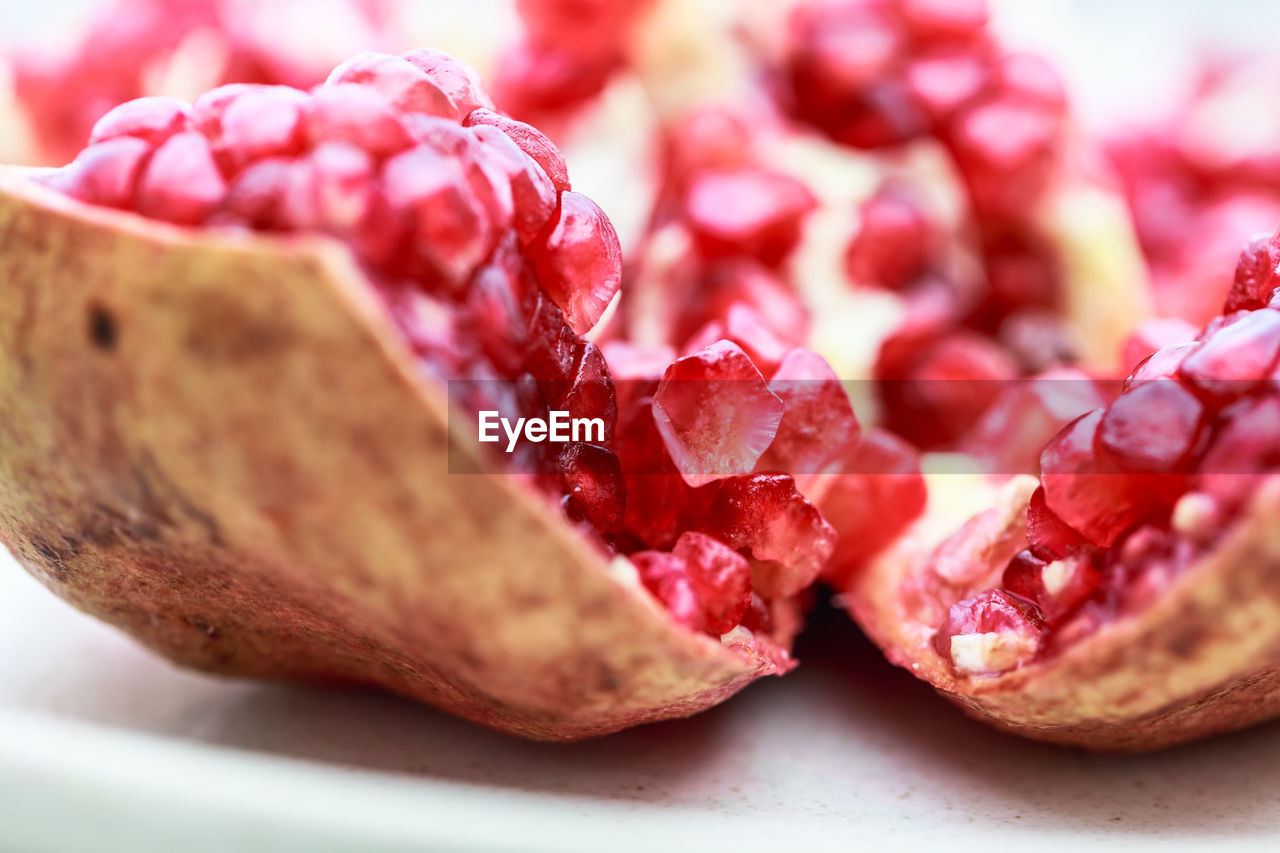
[(105, 747)]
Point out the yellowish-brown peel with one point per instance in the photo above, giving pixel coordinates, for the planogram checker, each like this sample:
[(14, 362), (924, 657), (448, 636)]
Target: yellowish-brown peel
[(1203, 658), (221, 445)]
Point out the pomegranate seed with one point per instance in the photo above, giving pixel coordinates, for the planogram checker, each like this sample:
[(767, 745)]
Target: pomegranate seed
[(456, 79), (207, 110), (181, 183), (591, 393), (533, 194), (1057, 587), (893, 245), (990, 633), (265, 121), (1008, 437), (1032, 78), (399, 81), (1152, 428), (1005, 150), (750, 212), (721, 579), (944, 82), (877, 492), (758, 619), (105, 174), (715, 413), (1245, 446), (593, 478), (946, 19), (788, 537), (666, 576), (818, 421), (151, 119), (1234, 358), (1089, 493), (1161, 364), (450, 229), (1156, 333), (358, 115), (708, 139), (1050, 537), (531, 141), (1255, 275), (581, 264)]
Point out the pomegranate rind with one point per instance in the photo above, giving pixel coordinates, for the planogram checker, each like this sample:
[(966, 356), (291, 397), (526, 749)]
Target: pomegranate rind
[(1203, 658), (181, 458)]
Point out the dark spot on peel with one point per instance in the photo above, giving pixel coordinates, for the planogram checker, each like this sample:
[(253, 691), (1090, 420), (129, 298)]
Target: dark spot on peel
[(104, 333)]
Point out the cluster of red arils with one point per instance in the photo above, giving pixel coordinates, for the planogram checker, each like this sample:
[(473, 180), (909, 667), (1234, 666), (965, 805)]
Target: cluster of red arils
[(493, 267), (133, 48), (879, 74), (1197, 185), (1131, 493)]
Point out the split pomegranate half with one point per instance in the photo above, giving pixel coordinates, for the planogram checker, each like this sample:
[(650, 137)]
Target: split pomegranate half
[(1128, 600), (242, 424)]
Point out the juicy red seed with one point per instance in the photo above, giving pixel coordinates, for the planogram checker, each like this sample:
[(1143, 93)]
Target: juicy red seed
[(105, 174), (1161, 364), (358, 115), (721, 579), (1255, 276), (580, 265), (402, 83), (758, 619), (151, 119), (893, 245), (456, 79), (257, 196), (533, 194), (818, 422), (994, 611), (708, 139), (943, 82), (1092, 495), (1049, 536), (594, 480), (449, 228), (263, 122), (1235, 358), (1156, 333), (750, 212), (666, 576), (1011, 433), (553, 347), (344, 184), (875, 494), (1005, 151), (181, 183), (950, 19), (590, 393), (715, 413), (1031, 77), (208, 109), (1057, 588), (1245, 446), (1152, 428), (766, 516), (531, 141)]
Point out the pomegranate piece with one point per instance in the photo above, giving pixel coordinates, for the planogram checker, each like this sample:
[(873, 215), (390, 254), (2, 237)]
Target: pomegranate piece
[(746, 327), (747, 212), (875, 492), (580, 265), (153, 120), (764, 515), (818, 421), (1153, 428), (594, 482), (716, 414), (991, 633), (355, 114), (1161, 364), (1246, 445), (1234, 358), (666, 576), (181, 182), (533, 194), (263, 121), (1156, 333), (455, 78)]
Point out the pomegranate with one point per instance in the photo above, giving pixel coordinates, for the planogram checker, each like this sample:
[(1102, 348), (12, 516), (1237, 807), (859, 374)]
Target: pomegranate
[(239, 270), (1129, 603)]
